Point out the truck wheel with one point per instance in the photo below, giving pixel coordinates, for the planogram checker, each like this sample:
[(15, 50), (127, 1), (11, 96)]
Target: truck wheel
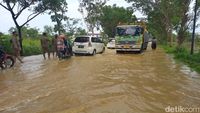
[(141, 49), (118, 52)]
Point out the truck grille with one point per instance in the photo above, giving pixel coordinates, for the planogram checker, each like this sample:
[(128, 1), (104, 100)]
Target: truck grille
[(126, 42)]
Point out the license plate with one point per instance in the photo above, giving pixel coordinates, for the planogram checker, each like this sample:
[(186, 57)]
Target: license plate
[(126, 46), (81, 46)]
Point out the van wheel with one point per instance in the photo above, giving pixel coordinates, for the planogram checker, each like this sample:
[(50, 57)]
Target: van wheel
[(94, 52), (103, 50)]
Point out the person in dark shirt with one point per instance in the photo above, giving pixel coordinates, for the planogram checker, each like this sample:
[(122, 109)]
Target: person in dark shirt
[(154, 43), (1, 52)]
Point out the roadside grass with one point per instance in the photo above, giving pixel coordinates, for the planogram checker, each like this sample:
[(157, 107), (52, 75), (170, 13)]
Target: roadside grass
[(30, 46), (183, 55)]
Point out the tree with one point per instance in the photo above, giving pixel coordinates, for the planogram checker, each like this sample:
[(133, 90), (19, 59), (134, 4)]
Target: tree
[(49, 30), (12, 29), (160, 13), (111, 16), (32, 33), (58, 8), (17, 7), (156, 27), (80, 31), (71, 25), (162, 20), (27, 31), (1, 34), (93, 12), (184, 19), (166, 15)]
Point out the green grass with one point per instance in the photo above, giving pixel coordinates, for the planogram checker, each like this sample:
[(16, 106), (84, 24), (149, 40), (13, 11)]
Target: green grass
[(183, 55), (30, 46)]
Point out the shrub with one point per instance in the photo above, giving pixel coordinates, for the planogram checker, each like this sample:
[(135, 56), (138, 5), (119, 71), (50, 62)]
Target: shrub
[(183, 55), (5, 42), (31, 47)]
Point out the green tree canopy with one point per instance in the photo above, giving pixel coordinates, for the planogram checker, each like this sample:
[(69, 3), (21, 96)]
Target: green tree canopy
[(111, 16), (17, 7), (58, 8), (49, 30), (71, 26), (166, 16), (93, 12)]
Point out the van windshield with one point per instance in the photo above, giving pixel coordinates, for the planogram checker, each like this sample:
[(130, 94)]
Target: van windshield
[(82, 39)]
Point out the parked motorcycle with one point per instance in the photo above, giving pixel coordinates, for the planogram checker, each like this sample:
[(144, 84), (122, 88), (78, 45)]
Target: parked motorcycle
[(63, 54), (64, 50), (6, 60)]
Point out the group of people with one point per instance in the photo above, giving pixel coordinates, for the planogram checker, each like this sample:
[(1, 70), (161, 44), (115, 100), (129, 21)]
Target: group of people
[(60, 45)]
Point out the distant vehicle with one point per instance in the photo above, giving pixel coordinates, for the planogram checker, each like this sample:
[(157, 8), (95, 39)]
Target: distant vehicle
[(88, 45), (131, 37), (111, 44)]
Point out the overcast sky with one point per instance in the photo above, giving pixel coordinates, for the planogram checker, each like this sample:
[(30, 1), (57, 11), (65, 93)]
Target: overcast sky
[(40, 21), (6, 21)]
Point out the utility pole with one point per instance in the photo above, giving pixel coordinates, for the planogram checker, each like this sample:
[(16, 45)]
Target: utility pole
[(194, 25)]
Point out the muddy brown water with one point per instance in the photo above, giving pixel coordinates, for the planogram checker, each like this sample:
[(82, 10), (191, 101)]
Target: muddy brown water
[(105, 83)]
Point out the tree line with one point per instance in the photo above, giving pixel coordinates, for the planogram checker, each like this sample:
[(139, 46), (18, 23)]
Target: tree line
[(164, 16)]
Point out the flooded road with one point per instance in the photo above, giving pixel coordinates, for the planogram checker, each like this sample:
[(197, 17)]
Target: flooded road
[(105, 83)]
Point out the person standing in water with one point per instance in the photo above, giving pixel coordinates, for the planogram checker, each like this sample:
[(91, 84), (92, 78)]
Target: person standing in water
[(45, 45), (60, 46), (54, 45), (16, 46)]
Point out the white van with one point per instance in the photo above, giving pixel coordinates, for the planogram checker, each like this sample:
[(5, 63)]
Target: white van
[(111, 44), (88, 45)]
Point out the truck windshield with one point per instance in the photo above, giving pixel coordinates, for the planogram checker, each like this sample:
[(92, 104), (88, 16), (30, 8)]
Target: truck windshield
[(134, 31)]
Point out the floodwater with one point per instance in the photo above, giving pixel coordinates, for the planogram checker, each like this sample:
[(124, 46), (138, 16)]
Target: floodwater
[(105, 83)]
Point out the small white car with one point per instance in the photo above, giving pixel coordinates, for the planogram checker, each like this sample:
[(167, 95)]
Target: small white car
[(111, 44), (88, 45)]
